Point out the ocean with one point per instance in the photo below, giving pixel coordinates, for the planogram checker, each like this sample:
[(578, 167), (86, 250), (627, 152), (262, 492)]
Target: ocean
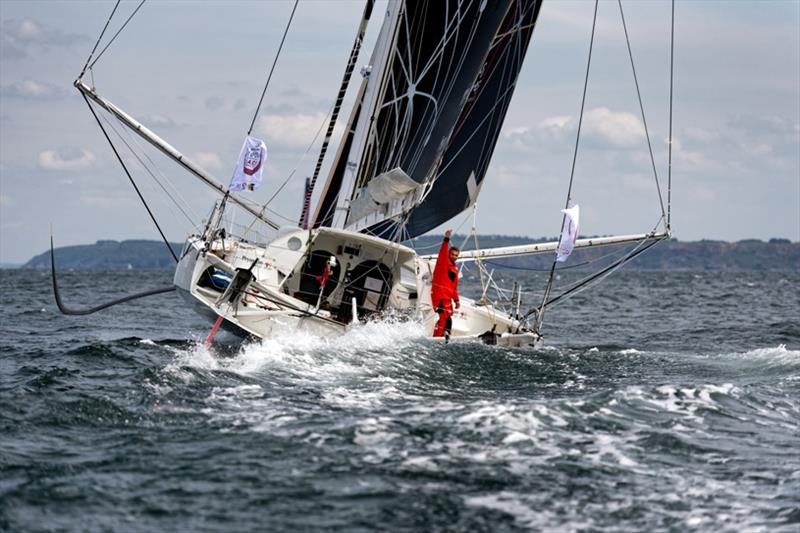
[(660, 402)]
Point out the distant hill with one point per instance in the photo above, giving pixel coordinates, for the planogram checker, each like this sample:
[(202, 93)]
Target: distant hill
[(110, 255), (674, 255)]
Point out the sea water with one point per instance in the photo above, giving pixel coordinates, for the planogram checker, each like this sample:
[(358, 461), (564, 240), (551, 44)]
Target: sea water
[(660, 401)]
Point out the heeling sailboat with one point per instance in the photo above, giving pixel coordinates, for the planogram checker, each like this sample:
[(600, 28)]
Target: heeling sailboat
[(427, 115), (438, 70)]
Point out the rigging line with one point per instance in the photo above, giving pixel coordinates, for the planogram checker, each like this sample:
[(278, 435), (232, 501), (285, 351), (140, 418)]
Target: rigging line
[(671, 70), (648, 241), (489, 114), (147, 170), (641, 107), (548, 288), (481, 267), (192, 214), (585, 281), (287, 219), (600, 275), (429, 247), (441, 170), (515, 30), (498, 59), (475, 131), (564, 267), (282, 304), (103, 51), (152, 175), (271, 70), (448, 86), (121, 162), (98, 40)]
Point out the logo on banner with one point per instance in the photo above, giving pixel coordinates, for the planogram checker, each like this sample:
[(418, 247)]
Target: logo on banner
[(247, 174), (252, 160)]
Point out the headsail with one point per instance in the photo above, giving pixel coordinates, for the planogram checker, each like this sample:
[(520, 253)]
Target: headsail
[(439, 96)]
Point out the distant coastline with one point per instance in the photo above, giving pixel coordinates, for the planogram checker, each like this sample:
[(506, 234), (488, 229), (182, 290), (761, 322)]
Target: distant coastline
[(674, 255)]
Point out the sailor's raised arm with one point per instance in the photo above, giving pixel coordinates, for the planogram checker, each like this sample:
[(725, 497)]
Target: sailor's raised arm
[(444, 251)]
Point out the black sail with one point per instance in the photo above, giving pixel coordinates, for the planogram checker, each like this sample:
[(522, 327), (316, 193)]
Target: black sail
[(442, 96)]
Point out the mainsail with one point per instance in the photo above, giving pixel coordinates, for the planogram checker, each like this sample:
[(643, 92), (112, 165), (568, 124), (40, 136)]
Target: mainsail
[(428, 115)]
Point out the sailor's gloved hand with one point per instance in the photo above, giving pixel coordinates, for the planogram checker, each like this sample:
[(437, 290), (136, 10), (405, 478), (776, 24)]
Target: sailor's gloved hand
[(440, 309)]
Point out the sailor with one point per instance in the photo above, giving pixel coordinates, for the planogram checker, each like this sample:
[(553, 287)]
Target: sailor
[(444, 292)]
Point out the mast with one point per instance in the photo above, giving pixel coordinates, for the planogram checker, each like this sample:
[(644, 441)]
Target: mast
[(330, 193), (348, 71), (365, 110), (172, 153)]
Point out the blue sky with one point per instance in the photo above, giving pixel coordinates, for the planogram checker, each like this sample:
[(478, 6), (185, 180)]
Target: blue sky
[(193, 72)]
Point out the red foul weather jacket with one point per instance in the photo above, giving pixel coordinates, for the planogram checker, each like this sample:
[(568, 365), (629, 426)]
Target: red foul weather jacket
[(445, 278)]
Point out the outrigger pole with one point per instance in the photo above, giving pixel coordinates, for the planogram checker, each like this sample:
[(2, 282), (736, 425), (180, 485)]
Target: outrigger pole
[(171, 152), (544, 247)]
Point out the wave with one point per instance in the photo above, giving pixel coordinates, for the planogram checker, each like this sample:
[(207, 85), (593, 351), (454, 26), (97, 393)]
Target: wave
[(361, 349), (777, 354), (775, 358)]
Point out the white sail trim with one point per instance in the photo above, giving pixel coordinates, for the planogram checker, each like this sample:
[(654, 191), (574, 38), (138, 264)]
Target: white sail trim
[(381, 191)]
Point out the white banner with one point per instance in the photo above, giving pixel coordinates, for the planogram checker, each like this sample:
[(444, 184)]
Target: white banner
[(569, 233), (252, 159)]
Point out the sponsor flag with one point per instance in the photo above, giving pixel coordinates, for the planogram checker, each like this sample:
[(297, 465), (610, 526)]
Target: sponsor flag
[(250, 165), (569, 233)]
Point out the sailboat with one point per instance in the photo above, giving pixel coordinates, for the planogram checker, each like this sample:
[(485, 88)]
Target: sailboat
[(429, 108)]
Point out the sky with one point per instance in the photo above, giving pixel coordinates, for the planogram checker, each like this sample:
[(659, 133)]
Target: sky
[(193, 73)]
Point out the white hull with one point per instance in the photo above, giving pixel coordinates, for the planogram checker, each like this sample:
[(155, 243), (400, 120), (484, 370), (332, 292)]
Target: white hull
[(376, 276)]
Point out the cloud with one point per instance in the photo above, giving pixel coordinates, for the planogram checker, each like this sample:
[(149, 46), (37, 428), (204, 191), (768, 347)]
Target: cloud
[(294, 131), (157, 121), (66, 160), (6, 201), (700, 136), (105, 201), (240, 103), (766, 135), (214, 103), (601, 129), (207, 160), (607, 128), (19, 37), (32, 89), (759, 125)]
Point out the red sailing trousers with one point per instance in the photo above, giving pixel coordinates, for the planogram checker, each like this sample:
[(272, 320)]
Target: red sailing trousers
[(444, 322)]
